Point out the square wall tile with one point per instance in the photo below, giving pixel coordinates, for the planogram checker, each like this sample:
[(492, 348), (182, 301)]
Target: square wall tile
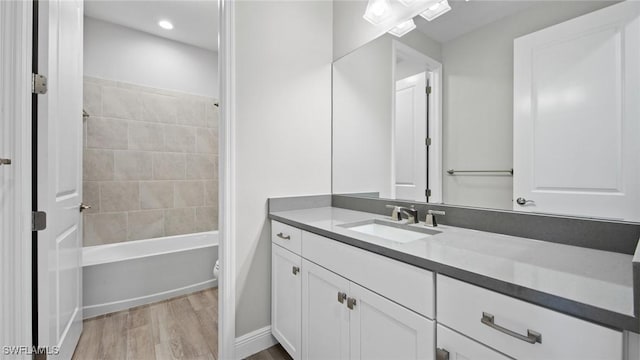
[(104, 228), (169, 166), (206, 219), (119, 196), (133, 165), (191, 111), (146, 136), (179, 221), (159, 108), (202, 167), (145, 224), (91, 196), (211, 193), (98, 164), (188, 193), (156, 194), (107, 133), (180, 138), (92, 98), (207, 140), (121, 103)]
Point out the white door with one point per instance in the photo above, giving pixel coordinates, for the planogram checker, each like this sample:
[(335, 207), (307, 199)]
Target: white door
[(382, 329), (325, 318), (286, 287), (577, 116), (459, 347), (59, 175), (410, 132)]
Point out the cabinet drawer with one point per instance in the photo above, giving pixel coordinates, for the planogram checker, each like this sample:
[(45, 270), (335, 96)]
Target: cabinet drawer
[(286, 236), (405, 284), (453, 346), (462, 307)]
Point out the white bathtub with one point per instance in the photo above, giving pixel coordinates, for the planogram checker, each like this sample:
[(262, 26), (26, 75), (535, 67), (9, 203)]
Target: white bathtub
[(123, 275)]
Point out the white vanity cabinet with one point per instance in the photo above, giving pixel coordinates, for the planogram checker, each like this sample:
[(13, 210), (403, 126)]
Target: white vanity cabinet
[(286, 291), (336, 301), (342, 320)]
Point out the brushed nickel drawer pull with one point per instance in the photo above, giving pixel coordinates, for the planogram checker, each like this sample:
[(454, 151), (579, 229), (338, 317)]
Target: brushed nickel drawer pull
[(283, 236), (342, 297), (532, 337)]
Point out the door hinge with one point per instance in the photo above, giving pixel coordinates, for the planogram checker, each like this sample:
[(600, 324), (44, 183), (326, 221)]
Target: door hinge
[(428, 89), (38, 84), (38, 220), (442, 354), (427, 192), (427, 141)]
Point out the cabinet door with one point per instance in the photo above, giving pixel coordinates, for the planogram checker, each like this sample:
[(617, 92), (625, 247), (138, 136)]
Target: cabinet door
[(382, 329), (325, 318), (286, 299), (453, 346)]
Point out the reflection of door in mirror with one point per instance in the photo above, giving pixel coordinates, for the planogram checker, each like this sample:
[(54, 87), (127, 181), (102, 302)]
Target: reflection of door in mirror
[(410, 131), (577, 116), (416, 138)]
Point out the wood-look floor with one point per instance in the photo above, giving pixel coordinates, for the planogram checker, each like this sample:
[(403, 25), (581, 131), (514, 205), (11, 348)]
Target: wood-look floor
[(185, 327)]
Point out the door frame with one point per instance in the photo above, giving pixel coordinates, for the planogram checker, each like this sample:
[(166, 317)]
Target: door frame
[(15, 222), (434, 113), (227, 183)]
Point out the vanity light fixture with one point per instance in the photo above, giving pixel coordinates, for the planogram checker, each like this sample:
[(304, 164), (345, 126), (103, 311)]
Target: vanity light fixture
[(403, 28), (377, 11), (165, 24), (436, 10)]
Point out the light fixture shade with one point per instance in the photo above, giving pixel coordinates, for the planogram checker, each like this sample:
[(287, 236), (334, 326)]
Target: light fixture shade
[(407, 3), (436, 10), (403, 28), (377, 11)]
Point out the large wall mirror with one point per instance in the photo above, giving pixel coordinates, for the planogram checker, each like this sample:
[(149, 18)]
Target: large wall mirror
[(516, 105)]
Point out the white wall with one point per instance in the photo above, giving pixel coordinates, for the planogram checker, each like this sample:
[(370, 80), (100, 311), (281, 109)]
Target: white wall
[(283, 52), (119, 53), (478, 102), (362, 113)]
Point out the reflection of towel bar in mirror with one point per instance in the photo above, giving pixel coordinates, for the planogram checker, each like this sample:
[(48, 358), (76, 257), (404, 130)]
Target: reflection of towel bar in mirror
[(453, 172)]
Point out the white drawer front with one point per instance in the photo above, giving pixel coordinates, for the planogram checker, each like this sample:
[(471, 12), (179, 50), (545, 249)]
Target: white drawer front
[(407, 285), (286, 236), (461, 307), (460, 347)]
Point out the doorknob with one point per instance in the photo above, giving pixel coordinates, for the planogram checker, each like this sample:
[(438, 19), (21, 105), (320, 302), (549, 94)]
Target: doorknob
[(84, 207), (5, 161), (523, 201)]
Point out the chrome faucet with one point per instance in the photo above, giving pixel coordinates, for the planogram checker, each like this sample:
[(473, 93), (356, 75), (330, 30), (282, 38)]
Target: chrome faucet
[(431, 218), (396, 213)]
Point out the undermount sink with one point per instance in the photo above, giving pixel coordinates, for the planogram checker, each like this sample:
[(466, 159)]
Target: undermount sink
[(396, 232)]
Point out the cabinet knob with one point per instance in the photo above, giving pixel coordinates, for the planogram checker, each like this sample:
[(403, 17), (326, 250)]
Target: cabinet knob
[(342, 297), (522, 201), (295, 270), (5, 161), (351, 303)]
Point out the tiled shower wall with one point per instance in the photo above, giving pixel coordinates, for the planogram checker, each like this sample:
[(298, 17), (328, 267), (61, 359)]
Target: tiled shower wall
[(150, 162)]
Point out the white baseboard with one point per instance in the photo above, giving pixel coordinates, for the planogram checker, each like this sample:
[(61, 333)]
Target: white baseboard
[(110, 307), (254, 342)]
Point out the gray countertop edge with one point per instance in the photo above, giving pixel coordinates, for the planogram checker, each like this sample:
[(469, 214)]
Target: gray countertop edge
[(583, 311)]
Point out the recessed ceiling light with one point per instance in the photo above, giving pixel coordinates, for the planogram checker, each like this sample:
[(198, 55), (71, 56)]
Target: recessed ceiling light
[(436, 10), (165, 24), (403, 28), (377, 11)]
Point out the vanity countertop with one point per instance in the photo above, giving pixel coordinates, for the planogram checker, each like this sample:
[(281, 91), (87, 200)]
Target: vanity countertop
[(594, 285)]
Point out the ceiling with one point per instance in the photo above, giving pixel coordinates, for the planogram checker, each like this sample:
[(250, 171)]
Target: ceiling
[(195, 22), (466, 16)]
